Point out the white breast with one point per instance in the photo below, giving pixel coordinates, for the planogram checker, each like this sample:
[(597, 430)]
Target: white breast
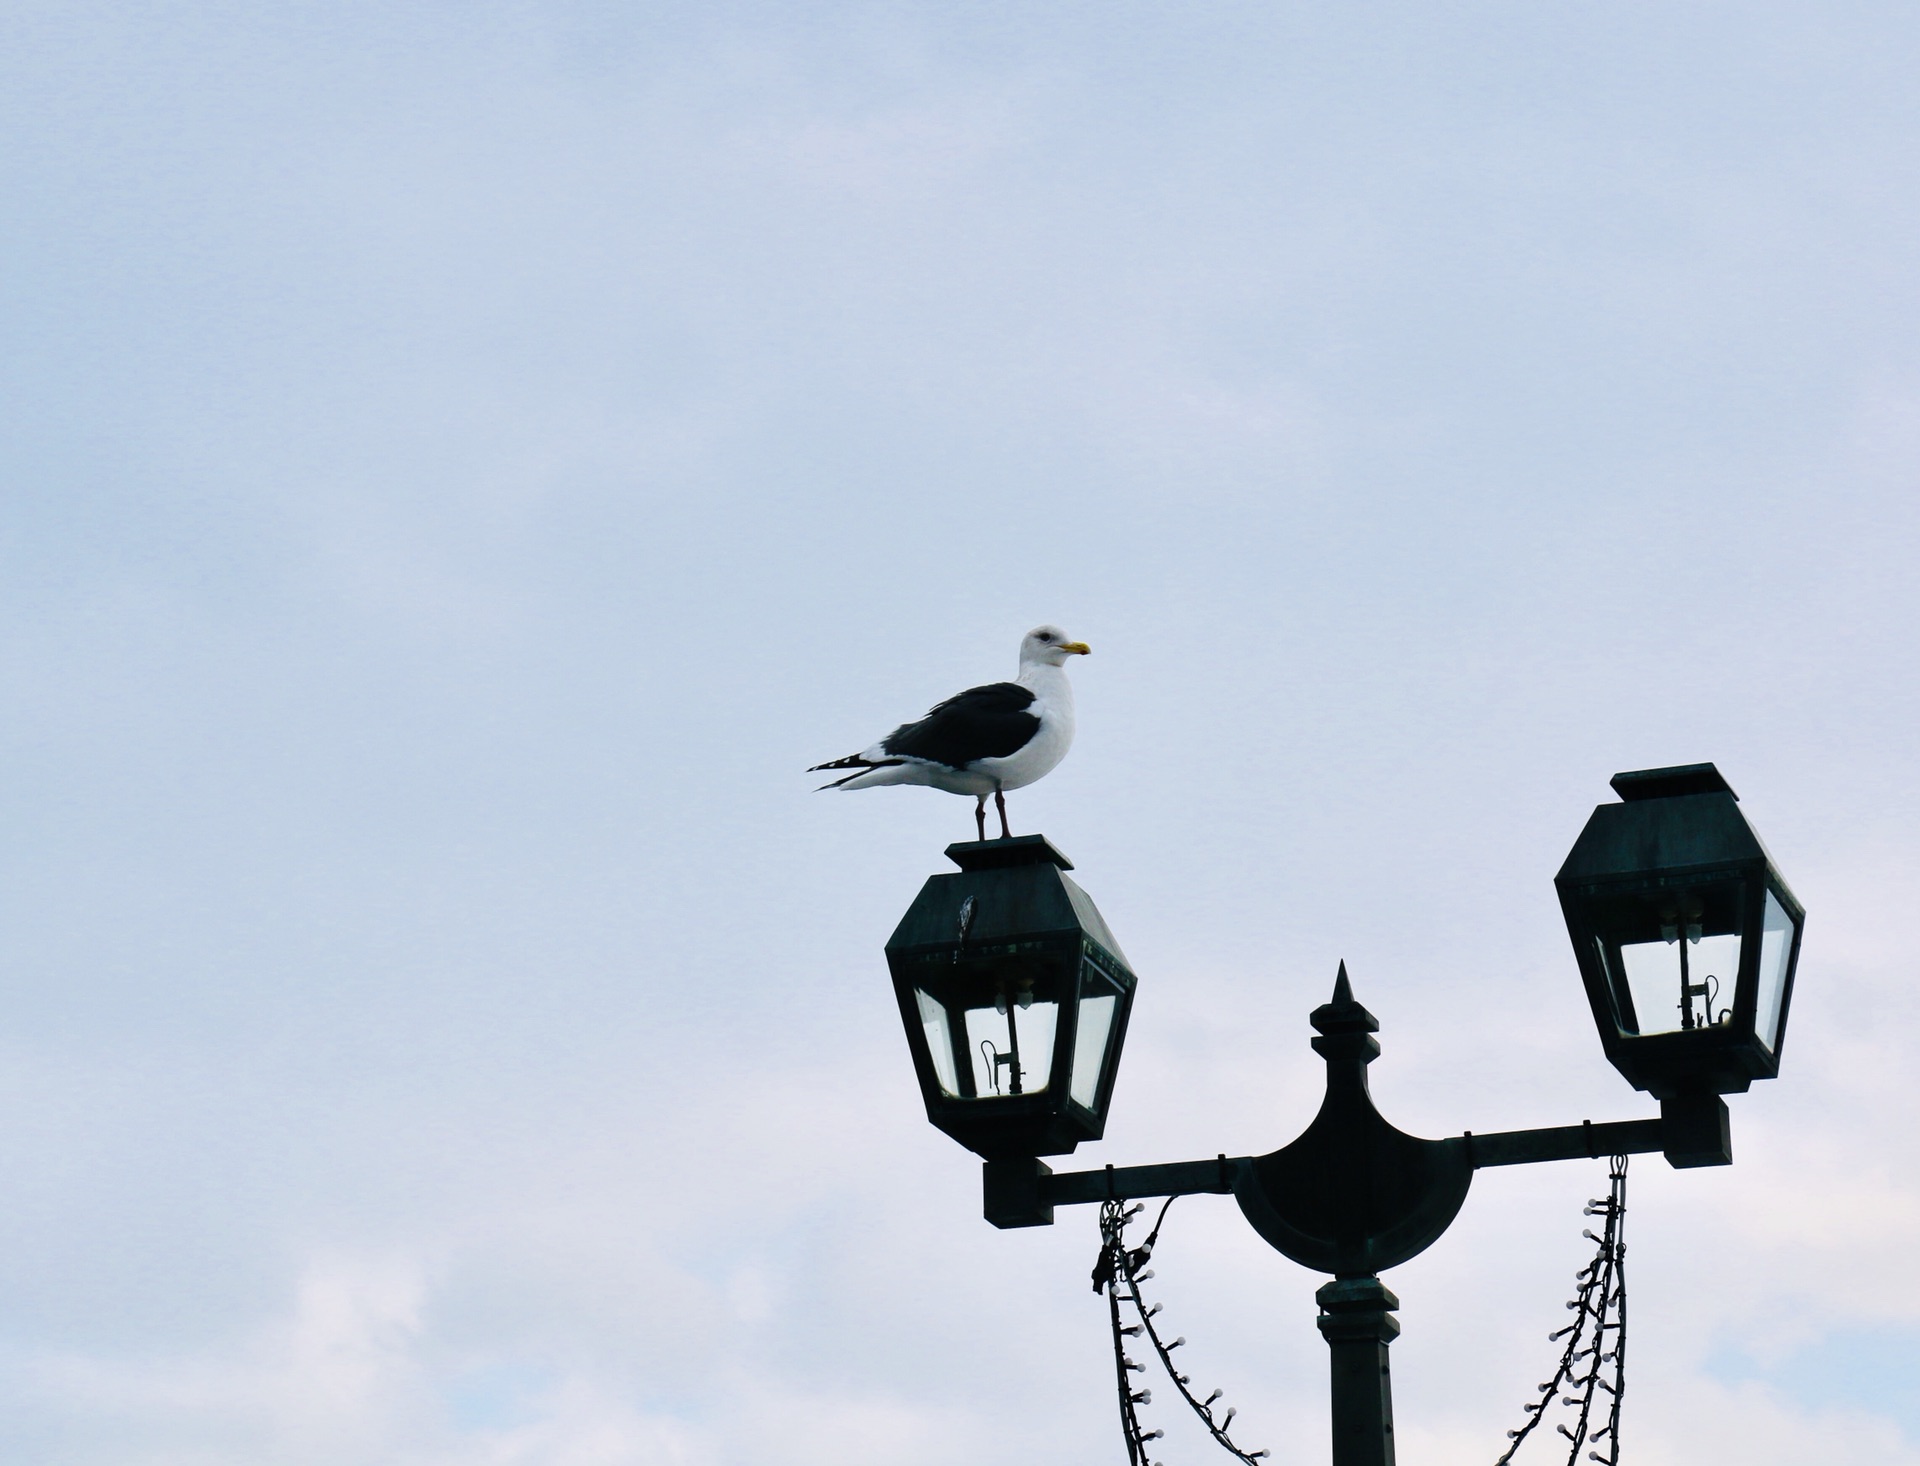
[(1053, 706)]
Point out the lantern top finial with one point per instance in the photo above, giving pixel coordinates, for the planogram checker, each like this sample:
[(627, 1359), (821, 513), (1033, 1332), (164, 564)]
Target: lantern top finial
[(1670, 782)]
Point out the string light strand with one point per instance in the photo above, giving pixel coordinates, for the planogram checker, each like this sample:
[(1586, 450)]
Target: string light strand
[(1597, 1336), (1119, 1273)]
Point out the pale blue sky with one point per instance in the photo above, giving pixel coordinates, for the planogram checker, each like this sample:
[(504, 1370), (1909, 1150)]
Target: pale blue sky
[(461, 463)]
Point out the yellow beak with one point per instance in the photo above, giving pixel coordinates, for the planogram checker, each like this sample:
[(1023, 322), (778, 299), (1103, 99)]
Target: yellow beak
[(1076, 646)]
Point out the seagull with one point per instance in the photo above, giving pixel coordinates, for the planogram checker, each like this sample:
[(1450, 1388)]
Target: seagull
[(984, 741)]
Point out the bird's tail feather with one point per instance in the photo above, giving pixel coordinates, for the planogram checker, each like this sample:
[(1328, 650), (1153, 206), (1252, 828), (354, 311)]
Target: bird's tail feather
[(859, 763), (851, 761)]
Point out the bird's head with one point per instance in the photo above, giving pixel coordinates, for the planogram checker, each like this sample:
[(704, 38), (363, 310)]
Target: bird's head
[(1049, 645)]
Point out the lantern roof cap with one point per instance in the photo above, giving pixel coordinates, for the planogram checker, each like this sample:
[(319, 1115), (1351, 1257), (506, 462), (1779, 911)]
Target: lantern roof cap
[(972, 855), (1668, 783)]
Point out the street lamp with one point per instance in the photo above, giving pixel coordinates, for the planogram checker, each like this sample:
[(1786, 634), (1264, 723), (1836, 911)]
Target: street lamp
[(1015, 1000), (1685, 932)]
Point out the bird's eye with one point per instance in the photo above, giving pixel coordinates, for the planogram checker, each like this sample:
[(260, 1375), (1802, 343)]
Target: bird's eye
[(1044, 635)]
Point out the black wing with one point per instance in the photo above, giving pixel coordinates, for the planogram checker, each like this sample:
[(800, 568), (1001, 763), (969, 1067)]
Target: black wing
[(982, 722)]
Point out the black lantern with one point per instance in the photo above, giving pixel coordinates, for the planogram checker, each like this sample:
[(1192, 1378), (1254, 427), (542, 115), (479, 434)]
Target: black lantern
[(1015, 999), (1686, 934)]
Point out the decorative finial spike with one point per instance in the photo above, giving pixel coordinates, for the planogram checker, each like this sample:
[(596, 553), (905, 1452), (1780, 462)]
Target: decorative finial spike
[(1344, 1015)]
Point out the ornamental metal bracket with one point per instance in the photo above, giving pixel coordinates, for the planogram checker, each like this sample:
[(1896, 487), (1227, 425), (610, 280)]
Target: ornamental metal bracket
[(1353, 1195)]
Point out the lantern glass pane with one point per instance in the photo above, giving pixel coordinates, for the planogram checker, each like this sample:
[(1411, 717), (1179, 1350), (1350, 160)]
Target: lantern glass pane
[(1090, 1046), (994, 1038), (1776, 946), (933, 1018), (1664, 1001)]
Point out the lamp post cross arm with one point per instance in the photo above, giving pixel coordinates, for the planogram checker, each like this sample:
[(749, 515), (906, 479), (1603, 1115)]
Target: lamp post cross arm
[(1022, 1191), (1693, 1130), (1563, 1142)]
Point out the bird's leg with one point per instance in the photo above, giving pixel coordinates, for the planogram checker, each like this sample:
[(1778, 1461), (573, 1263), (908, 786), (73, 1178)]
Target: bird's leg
[(999, 803), (980, 815)]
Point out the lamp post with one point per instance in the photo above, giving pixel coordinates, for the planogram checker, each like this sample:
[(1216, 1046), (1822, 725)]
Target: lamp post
[(1015, 1000)]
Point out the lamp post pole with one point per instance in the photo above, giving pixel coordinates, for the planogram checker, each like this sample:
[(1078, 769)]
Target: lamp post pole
[(1356, 1318), (1356, 1313)]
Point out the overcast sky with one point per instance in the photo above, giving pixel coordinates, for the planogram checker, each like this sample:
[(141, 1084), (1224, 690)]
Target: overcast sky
[(461, 462)]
